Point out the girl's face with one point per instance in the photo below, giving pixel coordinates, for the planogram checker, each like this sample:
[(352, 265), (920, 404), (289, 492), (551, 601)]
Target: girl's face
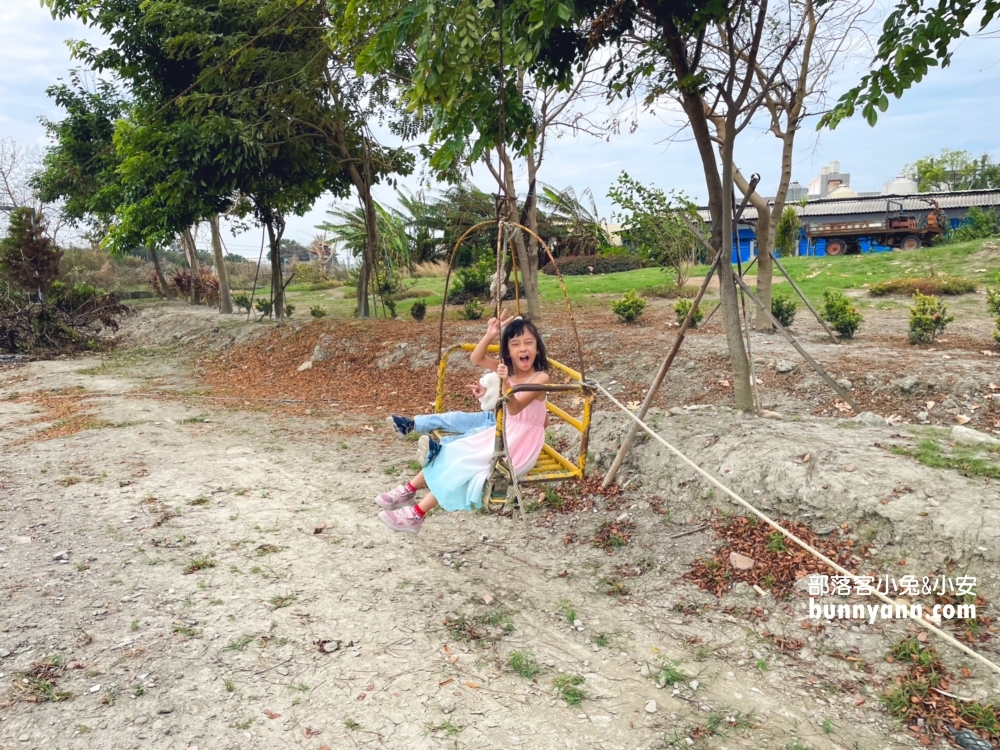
[(523, 351)]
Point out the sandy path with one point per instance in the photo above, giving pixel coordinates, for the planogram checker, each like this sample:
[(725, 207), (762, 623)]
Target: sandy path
[(226, 656)]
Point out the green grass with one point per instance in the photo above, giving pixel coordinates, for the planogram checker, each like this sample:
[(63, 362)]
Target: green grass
[(524, 664), (568, 687), (567, 610), (446, 726), (970, 460), (668, 673), (812, 274)]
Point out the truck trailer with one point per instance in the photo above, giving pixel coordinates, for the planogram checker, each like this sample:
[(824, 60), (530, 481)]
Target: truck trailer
[(896, 230)]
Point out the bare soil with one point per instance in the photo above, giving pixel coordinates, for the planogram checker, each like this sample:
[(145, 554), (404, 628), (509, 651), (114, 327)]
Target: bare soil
[(190, 558)]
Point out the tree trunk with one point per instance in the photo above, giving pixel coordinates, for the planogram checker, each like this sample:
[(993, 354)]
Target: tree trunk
[(721, 212), (225, 302), (371, 243), (527, 247), (371, 223), (191, 251), (727, 291), (277, 288), (159, 271)]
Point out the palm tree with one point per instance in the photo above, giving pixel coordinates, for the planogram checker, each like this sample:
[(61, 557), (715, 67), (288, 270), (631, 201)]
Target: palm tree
[(582, 231)]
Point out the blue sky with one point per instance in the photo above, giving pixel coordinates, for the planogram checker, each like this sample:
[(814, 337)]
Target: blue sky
[(957, 107)]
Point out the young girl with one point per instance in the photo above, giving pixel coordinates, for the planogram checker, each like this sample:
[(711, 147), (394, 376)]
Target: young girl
[(458, 471)]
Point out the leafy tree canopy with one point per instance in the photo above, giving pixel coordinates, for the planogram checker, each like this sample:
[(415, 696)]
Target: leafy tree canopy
[(917, 36), (954, 170)]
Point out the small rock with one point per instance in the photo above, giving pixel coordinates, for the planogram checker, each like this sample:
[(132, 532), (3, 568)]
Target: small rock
[(768, 414), (869, 418), (694, 684), (320, 352), (922, 416), (968, 436), (909, 384), (622, 518), (577, 624), (165, 708), (846, 384), (95, 689), (688, 741), (676, 411), (307, 365), (140, 720), (64, 555), (368, 544), (850, 467), (650, 707), (996, 398), (784, 365), (965, 387), (740, 562), (645, 671), (23, 738)]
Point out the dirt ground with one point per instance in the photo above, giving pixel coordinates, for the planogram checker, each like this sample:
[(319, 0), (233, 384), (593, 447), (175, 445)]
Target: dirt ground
[(190, 557)]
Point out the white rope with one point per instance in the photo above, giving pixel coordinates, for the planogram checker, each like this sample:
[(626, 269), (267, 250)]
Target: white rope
[(948, 638)]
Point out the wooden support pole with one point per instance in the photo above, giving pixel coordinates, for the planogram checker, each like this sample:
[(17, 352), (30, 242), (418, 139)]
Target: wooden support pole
[(804, 299), (784, 331), (719, 304), (660, 375)]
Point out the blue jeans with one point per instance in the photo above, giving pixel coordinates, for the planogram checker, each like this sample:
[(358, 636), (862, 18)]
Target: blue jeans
[(461, 423)]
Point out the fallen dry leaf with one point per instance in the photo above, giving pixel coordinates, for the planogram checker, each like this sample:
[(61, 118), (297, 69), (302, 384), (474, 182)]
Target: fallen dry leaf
[(309, 733), (271, 714), (472, 685), (931, 405), (962, 419), (740, 562)]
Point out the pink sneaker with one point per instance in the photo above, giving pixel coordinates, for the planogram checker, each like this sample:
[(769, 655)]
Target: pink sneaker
[(396, 498), (404, 519)]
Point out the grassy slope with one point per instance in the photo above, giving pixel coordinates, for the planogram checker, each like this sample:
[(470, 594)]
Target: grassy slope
[(813, 275)]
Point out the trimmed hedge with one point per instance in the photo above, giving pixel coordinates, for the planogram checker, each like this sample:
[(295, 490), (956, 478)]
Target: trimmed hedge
[(933, 285), (584, 265)]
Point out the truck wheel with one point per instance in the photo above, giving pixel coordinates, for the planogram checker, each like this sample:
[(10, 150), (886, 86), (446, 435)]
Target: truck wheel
[(836, 247), (911, 242)]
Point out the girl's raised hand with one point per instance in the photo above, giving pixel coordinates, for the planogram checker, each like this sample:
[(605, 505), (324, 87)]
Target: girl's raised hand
[(494, 325), (502, 371)]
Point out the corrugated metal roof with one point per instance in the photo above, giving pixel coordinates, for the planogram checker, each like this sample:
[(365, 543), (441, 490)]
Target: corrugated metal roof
[(877, 204)]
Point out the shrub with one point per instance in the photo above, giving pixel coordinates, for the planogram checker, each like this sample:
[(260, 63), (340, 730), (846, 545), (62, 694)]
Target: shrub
[(289, 309), (263, 306), (419, 310), (471, 282), (28, 259), (783, 308), (241, 302), (181, 281), (840, 313), (928, 318), (979, 224), (317, 312), (390, 305), (993, 305), (629, 307), (473, 310), (584, 265), (683, 306), (933, 285)]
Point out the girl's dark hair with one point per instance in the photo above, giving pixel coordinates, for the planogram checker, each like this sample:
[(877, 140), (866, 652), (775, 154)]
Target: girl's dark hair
[(517, 327)]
